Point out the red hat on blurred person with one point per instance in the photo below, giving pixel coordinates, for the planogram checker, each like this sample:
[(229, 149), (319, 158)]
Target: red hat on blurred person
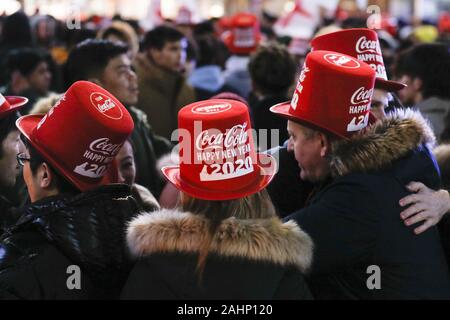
[(217, 155), (81, 134), (361, 44), (333, 94), (10, 104), (245, 35)]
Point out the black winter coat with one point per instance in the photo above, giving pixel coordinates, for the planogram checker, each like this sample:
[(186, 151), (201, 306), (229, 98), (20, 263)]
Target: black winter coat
[(264, 119), (148, 149), (86, 230), (355, 220), (249, 259)]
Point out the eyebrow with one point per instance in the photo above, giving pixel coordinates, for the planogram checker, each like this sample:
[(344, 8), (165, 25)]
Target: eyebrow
[(127, 158), (123, 66)]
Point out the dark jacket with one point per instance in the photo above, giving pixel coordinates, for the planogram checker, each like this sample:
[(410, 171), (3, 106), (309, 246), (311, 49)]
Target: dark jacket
[(264, 119), (355, 220), (8, 214), (148, 148), (86, 230), (253, 259)]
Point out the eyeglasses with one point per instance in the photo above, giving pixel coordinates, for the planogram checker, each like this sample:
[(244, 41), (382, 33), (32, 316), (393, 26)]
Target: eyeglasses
[(21, 158)]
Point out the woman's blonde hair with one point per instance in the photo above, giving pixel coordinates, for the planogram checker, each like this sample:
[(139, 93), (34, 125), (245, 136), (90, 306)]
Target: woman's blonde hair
[(255, 206)]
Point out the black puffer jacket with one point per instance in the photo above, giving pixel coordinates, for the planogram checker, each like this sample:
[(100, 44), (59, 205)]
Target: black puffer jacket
[(8, 214), (86, 230)]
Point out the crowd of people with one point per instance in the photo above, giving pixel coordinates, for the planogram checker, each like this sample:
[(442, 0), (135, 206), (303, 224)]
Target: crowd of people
[(220, 160)]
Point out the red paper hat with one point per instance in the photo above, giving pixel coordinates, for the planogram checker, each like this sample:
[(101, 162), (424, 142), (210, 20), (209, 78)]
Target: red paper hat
[(81, 134), (10, 104), (361, 44), (217, 156), (333, 93), (245, 35)]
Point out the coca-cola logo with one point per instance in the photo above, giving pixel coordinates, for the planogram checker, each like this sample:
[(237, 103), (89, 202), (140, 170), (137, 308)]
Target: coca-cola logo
[(342, 61), (363, 45), (104, 146), (106, 105), (211, 139), (211, 108), (360, 96)]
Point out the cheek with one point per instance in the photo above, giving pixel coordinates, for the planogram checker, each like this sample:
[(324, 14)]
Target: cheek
[(28, 178)]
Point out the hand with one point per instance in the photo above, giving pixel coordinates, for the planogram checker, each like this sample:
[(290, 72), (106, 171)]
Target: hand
[(425, 204)]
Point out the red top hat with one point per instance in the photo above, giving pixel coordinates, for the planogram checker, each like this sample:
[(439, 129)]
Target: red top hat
[(361, 44), (81, 134), (10, 104), (244, 36), (333, 93), (217, 156)]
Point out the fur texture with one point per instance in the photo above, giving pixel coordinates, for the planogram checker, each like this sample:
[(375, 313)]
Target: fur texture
[(382, 143), (263, 240)]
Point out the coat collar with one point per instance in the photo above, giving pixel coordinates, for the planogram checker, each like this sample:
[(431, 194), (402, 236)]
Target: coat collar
[(270, 240), (382, 143)]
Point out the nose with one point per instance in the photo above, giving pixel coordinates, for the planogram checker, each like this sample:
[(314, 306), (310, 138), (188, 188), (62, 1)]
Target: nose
[(290, 146), (120, 177)]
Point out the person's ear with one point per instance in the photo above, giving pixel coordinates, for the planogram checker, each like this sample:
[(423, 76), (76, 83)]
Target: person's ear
[(325, 145), (417, 84), (46, 176)]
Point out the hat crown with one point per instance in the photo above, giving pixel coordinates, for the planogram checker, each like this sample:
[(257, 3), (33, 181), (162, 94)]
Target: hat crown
[(360, 43), (218, 151), (244, 35), (333, 93), (82, 133)]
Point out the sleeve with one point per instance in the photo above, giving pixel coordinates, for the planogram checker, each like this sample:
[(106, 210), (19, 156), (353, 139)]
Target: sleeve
[(343, 226)]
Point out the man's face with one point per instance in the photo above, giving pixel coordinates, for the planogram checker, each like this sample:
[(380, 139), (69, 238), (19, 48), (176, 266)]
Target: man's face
[(408, 95), (9, 168), (379, 102), (120, 79), (40, 78), (172, 56), (125, 161), (309, 151)]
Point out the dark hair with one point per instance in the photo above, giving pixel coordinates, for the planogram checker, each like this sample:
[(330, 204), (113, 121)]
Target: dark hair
[(36, 159), (90, 58), (7, 125), (431, 64), (208, 48), (111, 31), (159, 36), (272, 69), (16, 30), (25, 60)]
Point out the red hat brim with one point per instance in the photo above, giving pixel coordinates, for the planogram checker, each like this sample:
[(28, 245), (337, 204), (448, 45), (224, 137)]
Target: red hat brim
[(269, 167), (26, 125), (282, 109), (15, 103), (389, 85)]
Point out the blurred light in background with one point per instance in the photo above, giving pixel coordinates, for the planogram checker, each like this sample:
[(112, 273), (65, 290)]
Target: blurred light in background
[(9, 6)]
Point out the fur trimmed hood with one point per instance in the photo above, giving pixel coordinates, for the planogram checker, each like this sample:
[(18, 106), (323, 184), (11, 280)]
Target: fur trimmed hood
[(264, 240), (382, 143)]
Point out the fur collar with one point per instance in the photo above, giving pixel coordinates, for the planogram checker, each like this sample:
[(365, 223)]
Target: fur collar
[(265, 240), (382, 143)]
